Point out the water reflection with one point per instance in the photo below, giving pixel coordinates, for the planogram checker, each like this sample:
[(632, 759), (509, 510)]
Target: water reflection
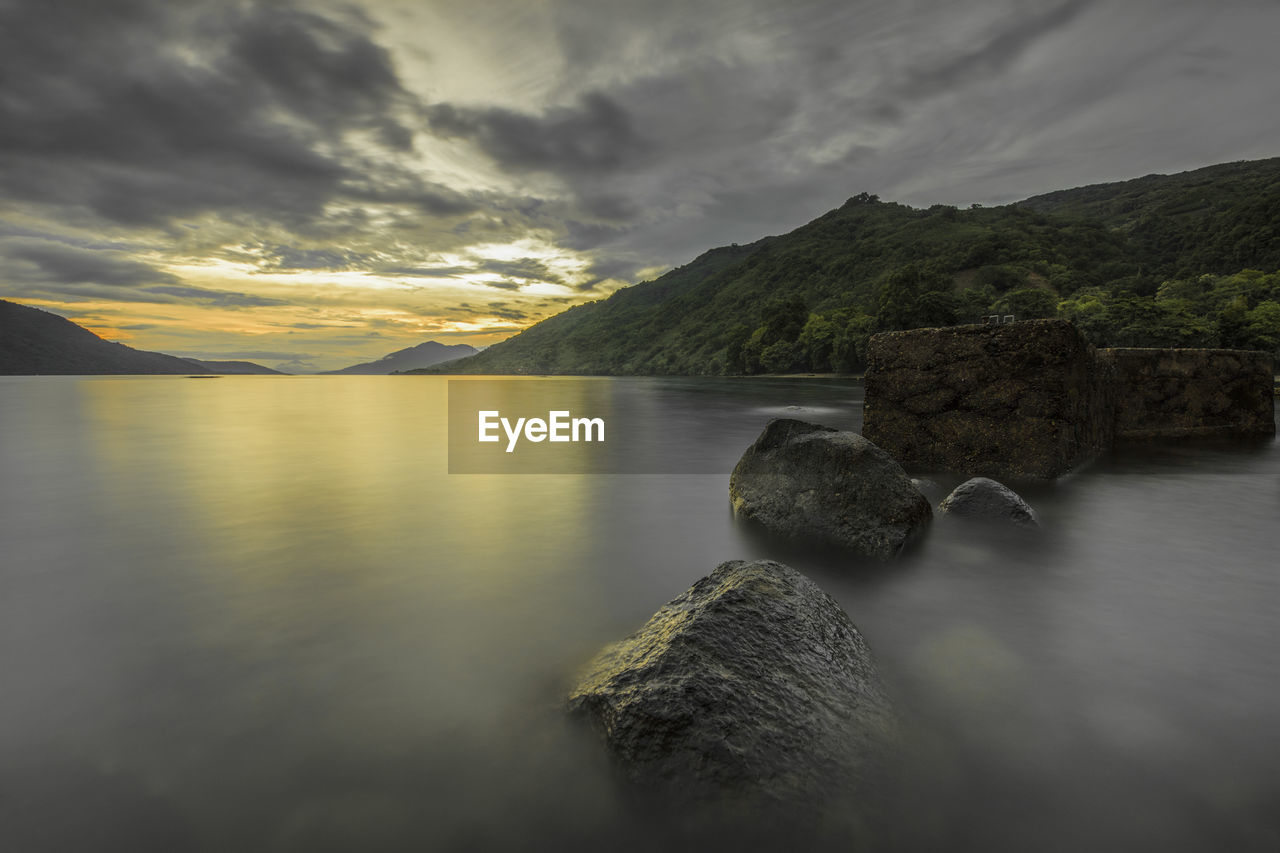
[(259, 614)]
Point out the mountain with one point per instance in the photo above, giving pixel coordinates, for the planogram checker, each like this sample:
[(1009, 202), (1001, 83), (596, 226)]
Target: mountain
[(37, 342), (1158, 261), (234, 367), (422, 355), (1216, 219)]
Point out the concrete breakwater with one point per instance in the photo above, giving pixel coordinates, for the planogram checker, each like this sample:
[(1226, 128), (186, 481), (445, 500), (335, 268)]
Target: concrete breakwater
[(1033, 399), (1179, 393)]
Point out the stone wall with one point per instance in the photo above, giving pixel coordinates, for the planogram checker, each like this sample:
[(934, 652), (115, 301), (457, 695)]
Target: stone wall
[(1022, 400), (1176, 393), (1033, 399)]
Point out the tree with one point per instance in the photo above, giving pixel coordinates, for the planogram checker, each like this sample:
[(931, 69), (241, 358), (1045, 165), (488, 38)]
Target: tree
[(1264, 326), (783, 319), (849, 352), (1028, 303), (913, 296), (782, 357), (737, 340), (818, 340)]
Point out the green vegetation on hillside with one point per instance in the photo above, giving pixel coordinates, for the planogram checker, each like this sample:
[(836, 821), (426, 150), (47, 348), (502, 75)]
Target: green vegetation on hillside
[(1159, 261)]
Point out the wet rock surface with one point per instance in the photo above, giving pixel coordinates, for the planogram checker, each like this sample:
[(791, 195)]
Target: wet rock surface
[(809, 482), (752, 688), (986, 499)]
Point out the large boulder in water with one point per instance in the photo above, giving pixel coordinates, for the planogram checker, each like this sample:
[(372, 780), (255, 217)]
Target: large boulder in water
[(751, 688), (987, 499), (806, 481)]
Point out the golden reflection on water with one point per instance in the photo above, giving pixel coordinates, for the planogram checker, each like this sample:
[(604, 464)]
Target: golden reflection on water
[(358, 465), (302, 509)]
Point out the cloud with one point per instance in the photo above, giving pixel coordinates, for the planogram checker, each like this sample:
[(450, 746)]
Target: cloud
[(293, 258), (516, 273), (215, 298), (427, 272), (530, 269), (38, 260), (143, 138), (153, 110), (594, 136), (994, 56), (504, 311), (66, 272)]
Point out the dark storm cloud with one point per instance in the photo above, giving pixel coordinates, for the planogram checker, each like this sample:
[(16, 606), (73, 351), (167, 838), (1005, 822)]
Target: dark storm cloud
[(523, 268), (993, 57), (80, 293), (142, 111), (427, 272), (65, 272), (593, 136), (281, 257), (612, 267), (583, 236), (758, 116), (607, 206), (503, 311), (383, 186), (215, 298), (35, 260)]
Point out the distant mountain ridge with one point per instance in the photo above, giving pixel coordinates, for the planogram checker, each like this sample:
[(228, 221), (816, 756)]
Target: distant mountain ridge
[(35, 342), (234, 367), (809, 300), (423, 355)]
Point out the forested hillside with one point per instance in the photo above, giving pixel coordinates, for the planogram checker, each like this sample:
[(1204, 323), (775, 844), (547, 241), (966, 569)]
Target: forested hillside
[(1188, 260)]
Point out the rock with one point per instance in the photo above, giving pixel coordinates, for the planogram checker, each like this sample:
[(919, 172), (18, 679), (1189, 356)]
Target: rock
[(1025, 399), (983, 498), (1189, 393), (805, 481), (752, 688)]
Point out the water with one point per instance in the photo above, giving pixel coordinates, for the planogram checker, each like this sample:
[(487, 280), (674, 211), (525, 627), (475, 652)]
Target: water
[(256, 613)]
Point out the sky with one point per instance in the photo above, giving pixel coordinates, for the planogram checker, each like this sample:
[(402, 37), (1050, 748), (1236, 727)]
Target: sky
[(313, 184)]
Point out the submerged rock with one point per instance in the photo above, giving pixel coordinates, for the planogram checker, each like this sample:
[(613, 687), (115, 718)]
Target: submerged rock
[(984, 498), (751, 688), (806, 481)]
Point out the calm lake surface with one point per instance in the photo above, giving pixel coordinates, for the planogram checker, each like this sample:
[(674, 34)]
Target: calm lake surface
[(257, 613)]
